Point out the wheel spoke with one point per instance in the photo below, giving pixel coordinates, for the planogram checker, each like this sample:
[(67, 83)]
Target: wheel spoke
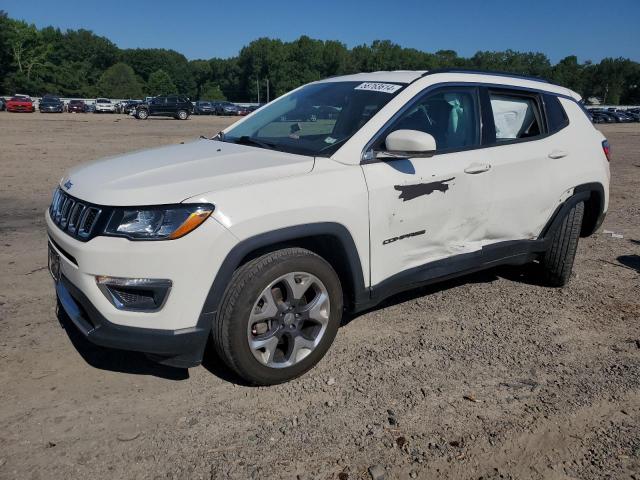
[(267, 310), (265, 348), (318, 310), (297, 284), (301, 348)]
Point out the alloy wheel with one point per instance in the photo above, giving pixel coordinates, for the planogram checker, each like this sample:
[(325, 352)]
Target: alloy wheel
[(288, 320)]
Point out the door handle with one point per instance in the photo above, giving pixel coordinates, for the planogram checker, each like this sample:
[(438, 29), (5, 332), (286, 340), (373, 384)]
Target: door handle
[(477, 168), (558, 154)]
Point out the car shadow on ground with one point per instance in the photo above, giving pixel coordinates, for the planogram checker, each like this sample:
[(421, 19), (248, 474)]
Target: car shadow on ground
[(216, 366), (116, 360), (630, 261)]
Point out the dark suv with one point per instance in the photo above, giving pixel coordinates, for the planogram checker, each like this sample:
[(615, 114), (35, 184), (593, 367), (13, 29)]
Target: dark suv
[(176, 106)]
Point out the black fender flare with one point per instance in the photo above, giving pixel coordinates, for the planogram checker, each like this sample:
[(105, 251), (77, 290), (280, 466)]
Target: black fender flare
[(586, 192), (288, 234)]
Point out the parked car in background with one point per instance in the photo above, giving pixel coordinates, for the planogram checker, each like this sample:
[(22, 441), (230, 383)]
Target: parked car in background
[(176, 106), (104, 105), (90, 107), (3, 104), (602, 116), (203, 107), (226, 108), (130, 105), (619, 117), (20, 103), (635, 116), (50, 104), (243, 110), (76, 106)]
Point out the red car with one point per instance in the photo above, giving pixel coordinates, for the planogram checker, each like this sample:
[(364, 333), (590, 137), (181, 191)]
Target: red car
[(20, 104)]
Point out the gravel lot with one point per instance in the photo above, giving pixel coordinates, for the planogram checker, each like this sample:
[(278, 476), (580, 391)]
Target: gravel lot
[(490, 376)]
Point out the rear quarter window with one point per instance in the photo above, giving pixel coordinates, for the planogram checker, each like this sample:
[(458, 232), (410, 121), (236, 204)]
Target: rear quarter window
[(556, 116)]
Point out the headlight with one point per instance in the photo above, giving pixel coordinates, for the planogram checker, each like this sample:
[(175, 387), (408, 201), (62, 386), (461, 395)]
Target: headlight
[(157, 223)]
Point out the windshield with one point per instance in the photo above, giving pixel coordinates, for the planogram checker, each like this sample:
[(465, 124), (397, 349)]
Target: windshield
[(51, 99), (103, 100), (316, 119)]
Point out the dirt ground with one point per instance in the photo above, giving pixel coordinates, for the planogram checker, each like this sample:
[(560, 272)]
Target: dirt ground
[(491, 376)]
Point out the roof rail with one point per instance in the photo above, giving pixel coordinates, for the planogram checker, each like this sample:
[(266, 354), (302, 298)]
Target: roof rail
[(486, 72)]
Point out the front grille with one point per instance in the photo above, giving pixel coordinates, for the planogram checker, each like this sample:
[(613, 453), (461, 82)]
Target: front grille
[(73, 216)]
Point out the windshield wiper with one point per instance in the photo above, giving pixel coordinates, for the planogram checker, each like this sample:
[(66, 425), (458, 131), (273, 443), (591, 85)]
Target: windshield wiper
[(247, 140)]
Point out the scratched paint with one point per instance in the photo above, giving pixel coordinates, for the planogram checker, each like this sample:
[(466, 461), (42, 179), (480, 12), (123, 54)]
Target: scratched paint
[(409, 192)]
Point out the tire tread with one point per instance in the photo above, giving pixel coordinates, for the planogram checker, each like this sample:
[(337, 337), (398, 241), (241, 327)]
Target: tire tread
[(558, 259)]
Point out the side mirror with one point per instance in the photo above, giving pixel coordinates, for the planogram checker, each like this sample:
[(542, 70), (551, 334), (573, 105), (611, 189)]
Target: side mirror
[(408, 144)]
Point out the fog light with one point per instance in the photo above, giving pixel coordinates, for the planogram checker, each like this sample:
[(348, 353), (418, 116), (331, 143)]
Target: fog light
[(135, 294)]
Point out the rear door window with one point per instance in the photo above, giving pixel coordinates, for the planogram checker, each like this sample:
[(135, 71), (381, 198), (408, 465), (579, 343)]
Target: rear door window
[(517, 116)]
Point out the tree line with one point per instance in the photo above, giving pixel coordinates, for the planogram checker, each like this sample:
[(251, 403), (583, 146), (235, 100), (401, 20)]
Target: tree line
[(78, 63)]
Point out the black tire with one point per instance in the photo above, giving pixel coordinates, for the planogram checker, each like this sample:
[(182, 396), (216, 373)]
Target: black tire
[(557, 262), (229, 333), (182, 115), (142, 114)]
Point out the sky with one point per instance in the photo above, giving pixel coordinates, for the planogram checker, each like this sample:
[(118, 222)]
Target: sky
[(590, 29)]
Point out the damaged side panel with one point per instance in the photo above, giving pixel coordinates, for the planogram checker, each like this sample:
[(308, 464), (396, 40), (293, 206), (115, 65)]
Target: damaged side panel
[(409, 192), (422, 210)]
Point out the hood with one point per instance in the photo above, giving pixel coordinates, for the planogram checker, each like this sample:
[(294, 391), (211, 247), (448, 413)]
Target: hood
[(174, 173)]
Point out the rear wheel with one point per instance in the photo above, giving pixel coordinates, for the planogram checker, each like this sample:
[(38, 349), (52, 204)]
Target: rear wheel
[(142, 114), (182, 115), (279, 316), (557, 262)]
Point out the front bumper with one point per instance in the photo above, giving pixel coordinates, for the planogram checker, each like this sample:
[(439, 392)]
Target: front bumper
[(179, 348), (190, 262)]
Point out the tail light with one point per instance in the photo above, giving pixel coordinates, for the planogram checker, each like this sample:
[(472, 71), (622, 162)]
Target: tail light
[(606, 148)]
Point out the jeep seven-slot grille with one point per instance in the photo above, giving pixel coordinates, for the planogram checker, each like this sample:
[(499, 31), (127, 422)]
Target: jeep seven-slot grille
[(73, 216)]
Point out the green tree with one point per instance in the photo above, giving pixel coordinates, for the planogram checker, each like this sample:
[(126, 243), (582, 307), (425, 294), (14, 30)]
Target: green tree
[(119, 81), (160, 83), (28, 53), (201, 74), (146, 61), (212, 91), (81, 63), (5, 55), (569, 72)]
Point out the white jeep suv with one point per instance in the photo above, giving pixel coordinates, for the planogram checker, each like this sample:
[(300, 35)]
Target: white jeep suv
[(331, 198)]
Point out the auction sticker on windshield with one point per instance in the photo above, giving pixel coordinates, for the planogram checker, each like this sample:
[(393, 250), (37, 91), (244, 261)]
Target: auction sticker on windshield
[(379, 87)]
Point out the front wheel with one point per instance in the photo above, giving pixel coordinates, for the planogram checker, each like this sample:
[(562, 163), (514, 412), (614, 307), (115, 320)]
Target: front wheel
[(557, 262), (279, 316), (182, 115)]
